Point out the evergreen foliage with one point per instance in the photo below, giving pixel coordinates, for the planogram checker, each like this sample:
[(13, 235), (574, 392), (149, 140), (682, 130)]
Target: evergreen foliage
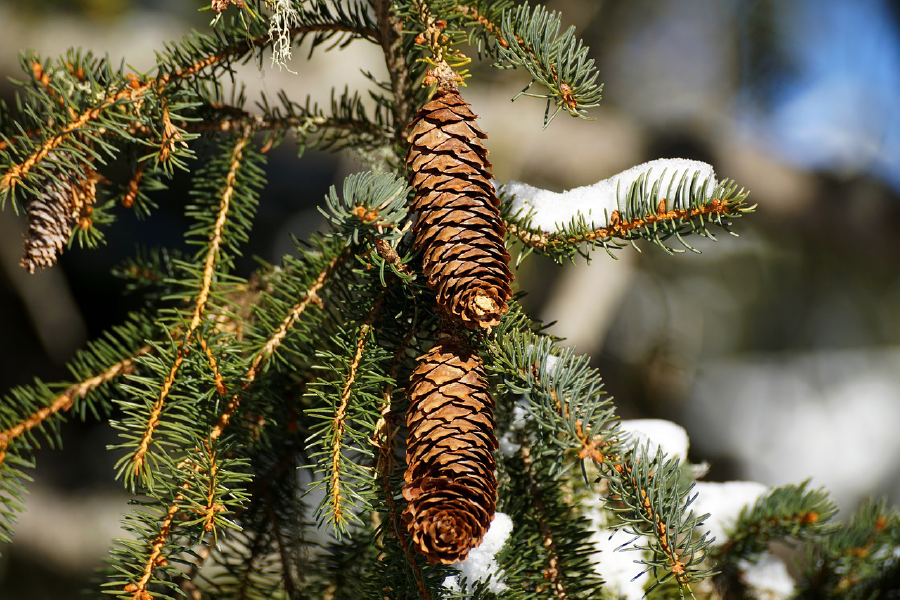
[(261, 415)]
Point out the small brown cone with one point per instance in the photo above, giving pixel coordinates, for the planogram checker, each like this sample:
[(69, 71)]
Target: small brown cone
[(459, 228), (51, 217), (450, 485)]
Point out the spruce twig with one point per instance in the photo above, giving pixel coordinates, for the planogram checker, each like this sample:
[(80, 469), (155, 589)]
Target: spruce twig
[(67, 400), (139, 455)]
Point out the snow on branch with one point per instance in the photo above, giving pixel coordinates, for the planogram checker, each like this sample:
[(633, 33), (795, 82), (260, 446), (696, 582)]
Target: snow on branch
[(653, 201), (596, 202)]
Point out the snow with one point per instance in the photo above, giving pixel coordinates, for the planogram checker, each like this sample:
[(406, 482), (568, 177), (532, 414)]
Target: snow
[(623, 577), (597, 202), (724, 501), (508, 445), (768, 578), (481, 565), (651, 434), (552, 364), (776, 415)]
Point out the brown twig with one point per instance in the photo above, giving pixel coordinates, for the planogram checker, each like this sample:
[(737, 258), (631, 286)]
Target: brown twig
[(390, 256), (132, 191), (200, 302), (337, 428), (390, 34), (66, 400), (134, 90), (138, 589), (617, 227)]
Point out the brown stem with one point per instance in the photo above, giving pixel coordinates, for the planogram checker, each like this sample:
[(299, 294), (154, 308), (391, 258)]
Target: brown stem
[(390, 256), (156, 558), (618, 228), (384, 436), (66, 400), (199, 304), (134, 91), (337, 429), (391, 38)]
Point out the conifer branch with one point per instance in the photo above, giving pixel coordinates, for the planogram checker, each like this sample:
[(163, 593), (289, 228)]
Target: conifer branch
[(216, 237), (43, 79), (617, 227), (650, 209), (66, 400), (200, 302), (133, 90), (275, 340), (341, 413), (533, 42), (786, 511), (478, 17), (552, 570), (236, 118), (155, 559), (676, 563), (390, 36)]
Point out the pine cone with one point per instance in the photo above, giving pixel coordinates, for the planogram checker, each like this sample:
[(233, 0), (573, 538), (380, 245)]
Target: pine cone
[(459, 228), (52, 215), (49, 225), (450, 484)]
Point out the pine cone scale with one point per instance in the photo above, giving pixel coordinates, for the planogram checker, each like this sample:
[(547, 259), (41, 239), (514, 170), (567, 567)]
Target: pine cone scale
[(459, 226), (450, 485)]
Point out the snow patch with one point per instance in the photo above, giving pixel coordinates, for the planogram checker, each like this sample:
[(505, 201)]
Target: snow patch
[(508, 446), (596, 202), (481, 565), (724, 501), (768, 578), (653, 434), (623, 577)]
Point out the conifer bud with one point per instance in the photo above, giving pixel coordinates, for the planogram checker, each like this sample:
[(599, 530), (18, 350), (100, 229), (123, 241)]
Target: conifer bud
[(450, 487), (459, 228)]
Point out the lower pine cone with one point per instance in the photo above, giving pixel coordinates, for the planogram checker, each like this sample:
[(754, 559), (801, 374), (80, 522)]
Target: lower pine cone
[(450, 487)]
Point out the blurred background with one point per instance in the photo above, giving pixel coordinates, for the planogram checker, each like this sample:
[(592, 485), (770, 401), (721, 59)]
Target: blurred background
[(778, 351)]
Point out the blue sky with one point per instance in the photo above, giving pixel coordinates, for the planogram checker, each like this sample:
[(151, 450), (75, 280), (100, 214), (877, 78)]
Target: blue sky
[(841, 110)]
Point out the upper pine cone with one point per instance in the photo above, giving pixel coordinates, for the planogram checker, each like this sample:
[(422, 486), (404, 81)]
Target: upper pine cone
[(459, 228), (450, 486)]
